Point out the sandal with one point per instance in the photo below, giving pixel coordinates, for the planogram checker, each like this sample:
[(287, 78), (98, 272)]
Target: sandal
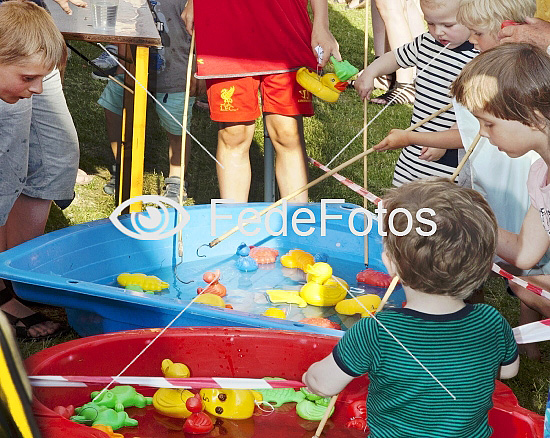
[(400, 94), (22, 325)]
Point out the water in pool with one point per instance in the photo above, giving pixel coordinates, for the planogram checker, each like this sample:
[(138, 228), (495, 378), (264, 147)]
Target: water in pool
[(246, 291)]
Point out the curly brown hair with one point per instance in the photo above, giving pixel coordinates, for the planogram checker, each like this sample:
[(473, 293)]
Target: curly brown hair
[(456, 259)]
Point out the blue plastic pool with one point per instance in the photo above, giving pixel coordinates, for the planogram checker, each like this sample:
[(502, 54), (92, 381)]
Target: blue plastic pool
[(76, 268)]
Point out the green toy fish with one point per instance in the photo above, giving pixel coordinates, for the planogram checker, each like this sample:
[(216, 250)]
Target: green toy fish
[(280, 396), (313, 406), (311, 411)]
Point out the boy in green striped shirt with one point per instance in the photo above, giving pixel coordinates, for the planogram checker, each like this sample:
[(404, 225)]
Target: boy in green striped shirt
[(464, 346)]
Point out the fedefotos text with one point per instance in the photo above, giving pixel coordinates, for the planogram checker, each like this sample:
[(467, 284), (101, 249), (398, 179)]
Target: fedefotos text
[(250, 220)]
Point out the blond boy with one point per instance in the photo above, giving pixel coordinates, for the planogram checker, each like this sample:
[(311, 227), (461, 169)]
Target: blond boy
[(30, 47), (439, 55)]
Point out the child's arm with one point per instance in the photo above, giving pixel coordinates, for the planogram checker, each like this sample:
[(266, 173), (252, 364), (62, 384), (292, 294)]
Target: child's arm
[(399, 138), (321, 35), (384, 65), (509, 371), (326, 378), (525, 249)]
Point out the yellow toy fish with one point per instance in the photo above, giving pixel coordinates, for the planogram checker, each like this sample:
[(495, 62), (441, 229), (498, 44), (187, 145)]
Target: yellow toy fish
[(210, 299), (321, 288), (352, 306), (286, 296), (275, 312), (146, 282), (236, 404)]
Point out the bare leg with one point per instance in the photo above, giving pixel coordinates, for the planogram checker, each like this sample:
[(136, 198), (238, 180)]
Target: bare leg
[(174, 152), (415, 17), (287, 135), (378, 31), (234, 141), (537, 303), (533, 307), (527, 315), (114, 130), (397, 30), (26, 220)]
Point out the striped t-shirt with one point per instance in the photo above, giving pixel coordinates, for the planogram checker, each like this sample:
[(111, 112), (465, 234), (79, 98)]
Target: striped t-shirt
[(431, 93), (463, 350)]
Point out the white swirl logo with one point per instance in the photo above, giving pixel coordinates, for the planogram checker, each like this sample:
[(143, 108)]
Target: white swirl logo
[(153, 223)]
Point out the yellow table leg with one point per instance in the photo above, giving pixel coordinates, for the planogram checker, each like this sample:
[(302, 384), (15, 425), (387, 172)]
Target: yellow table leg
[(138, 137)]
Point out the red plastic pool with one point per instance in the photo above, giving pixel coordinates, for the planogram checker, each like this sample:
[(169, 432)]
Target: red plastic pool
[(218, 351)]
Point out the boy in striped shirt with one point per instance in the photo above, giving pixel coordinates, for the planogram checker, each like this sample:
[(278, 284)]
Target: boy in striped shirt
[(464, 346)]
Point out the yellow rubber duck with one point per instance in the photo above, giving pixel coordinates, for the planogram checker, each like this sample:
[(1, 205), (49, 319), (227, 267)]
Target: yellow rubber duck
[(327, 87), (171, 402), (351, 306), (296, 258), (146, 282), (236, 404), (321, 288), (175, 369)]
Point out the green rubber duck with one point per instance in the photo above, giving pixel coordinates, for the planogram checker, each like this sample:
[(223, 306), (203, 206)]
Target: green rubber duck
[(91, 413), (121, 397)]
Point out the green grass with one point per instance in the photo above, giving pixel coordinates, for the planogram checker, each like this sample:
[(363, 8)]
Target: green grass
[(332, 127)]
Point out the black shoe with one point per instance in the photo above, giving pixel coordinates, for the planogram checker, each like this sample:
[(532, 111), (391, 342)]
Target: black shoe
[(104, 75)]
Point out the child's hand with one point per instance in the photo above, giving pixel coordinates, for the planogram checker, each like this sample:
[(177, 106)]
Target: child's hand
[(321, 36), (431, 154), (364, 85), (397, 138)]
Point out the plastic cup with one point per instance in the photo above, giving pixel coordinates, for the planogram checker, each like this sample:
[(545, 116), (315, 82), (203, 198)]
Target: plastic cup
[(104, 14)]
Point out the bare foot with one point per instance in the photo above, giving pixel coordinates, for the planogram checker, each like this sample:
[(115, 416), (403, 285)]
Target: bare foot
[(15, 309), (82, 178)]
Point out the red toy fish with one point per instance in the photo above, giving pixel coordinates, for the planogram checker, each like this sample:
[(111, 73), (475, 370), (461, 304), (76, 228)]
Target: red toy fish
[(322, 322), (374, 278)]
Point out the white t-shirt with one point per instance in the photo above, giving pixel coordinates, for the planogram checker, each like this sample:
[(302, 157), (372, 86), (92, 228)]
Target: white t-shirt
[(500, 179)]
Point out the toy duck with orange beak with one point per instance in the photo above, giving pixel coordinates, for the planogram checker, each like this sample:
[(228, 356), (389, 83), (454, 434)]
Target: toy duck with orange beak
[(329, 86)]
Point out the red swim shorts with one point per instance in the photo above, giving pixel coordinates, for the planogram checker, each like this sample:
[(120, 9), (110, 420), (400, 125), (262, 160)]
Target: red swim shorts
[(236, 99)]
